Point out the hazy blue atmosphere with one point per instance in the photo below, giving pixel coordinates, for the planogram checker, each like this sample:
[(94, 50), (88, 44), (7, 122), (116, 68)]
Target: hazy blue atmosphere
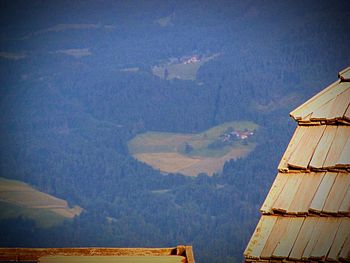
[(116, 106)]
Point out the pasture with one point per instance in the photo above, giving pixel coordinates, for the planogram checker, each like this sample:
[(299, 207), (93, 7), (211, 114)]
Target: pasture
[(195, 153), (20, 199), (178, 69)]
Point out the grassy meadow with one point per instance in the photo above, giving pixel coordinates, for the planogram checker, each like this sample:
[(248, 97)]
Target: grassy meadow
[(18, 199), (180, 70), (191, 154)]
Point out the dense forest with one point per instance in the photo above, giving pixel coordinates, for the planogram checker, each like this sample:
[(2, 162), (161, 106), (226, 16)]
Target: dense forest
[(77, 84)]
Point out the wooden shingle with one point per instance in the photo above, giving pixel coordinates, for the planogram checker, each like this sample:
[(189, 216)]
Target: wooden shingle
[(260, 236), (322, 148), (274, 192), (279, 229), (328, 228), (337, 193), (287, 195), (322, 192), (344, 75), (318, 148), (342, 234), (329, 105), (305, 193), (316, 233), (345, 251), (345, 204), (344, 159), (307, 210), (294, 142), (347, 114), (285, 244), (335, 150), (316, 101), (303, 238), (303, 153), (340, 105)]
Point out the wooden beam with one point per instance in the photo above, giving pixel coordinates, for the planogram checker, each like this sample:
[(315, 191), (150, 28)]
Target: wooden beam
[(33, 254)]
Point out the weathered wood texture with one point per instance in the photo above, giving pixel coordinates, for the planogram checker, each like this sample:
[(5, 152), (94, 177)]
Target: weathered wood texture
[(344, 75), (33, 254), (301, 238), (306, 214), (328, 106), (260, 236), (305, 193), (318, 148)]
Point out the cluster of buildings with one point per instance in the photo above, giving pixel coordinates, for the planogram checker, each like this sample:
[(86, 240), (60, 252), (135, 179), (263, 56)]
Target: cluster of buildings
[(236, 135), (192, 59)]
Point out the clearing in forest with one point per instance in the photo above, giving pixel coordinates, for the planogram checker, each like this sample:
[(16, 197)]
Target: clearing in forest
[(184, 68), (20, 199), (191, 154)]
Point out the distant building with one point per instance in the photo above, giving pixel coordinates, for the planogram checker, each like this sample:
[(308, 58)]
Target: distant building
[(306, 214), (231, 136), (192, 59)]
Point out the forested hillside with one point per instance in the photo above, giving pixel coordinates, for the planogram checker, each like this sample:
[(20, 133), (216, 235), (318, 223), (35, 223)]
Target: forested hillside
[(80, 79)]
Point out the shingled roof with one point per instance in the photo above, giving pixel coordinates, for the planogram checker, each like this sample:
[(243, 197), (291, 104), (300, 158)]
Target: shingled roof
[(306, 214)]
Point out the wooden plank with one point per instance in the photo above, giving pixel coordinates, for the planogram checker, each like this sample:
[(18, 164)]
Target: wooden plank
[(323, 146), (33, 254), (305, 119), (340, 105), (347, 114), (341, 137), (337, 193), (316, 101), (320, 107), (287, 240), (286, 196), (306, 192), (274, 192), (302, 155), (344, 74), (113, 259), (322, 192), (324, 242), (260, 236), (278, 231), (345, 205), (298, 134), (303, 238), (344, 159), (345, 252), (189, 254), (342, 233), (323, 112), (313, 239)]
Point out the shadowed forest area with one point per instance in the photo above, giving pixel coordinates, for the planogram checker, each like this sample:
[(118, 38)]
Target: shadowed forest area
[(79, 79)]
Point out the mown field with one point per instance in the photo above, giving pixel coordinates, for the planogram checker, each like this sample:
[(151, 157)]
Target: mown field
[(191, 154), (20, 199)]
